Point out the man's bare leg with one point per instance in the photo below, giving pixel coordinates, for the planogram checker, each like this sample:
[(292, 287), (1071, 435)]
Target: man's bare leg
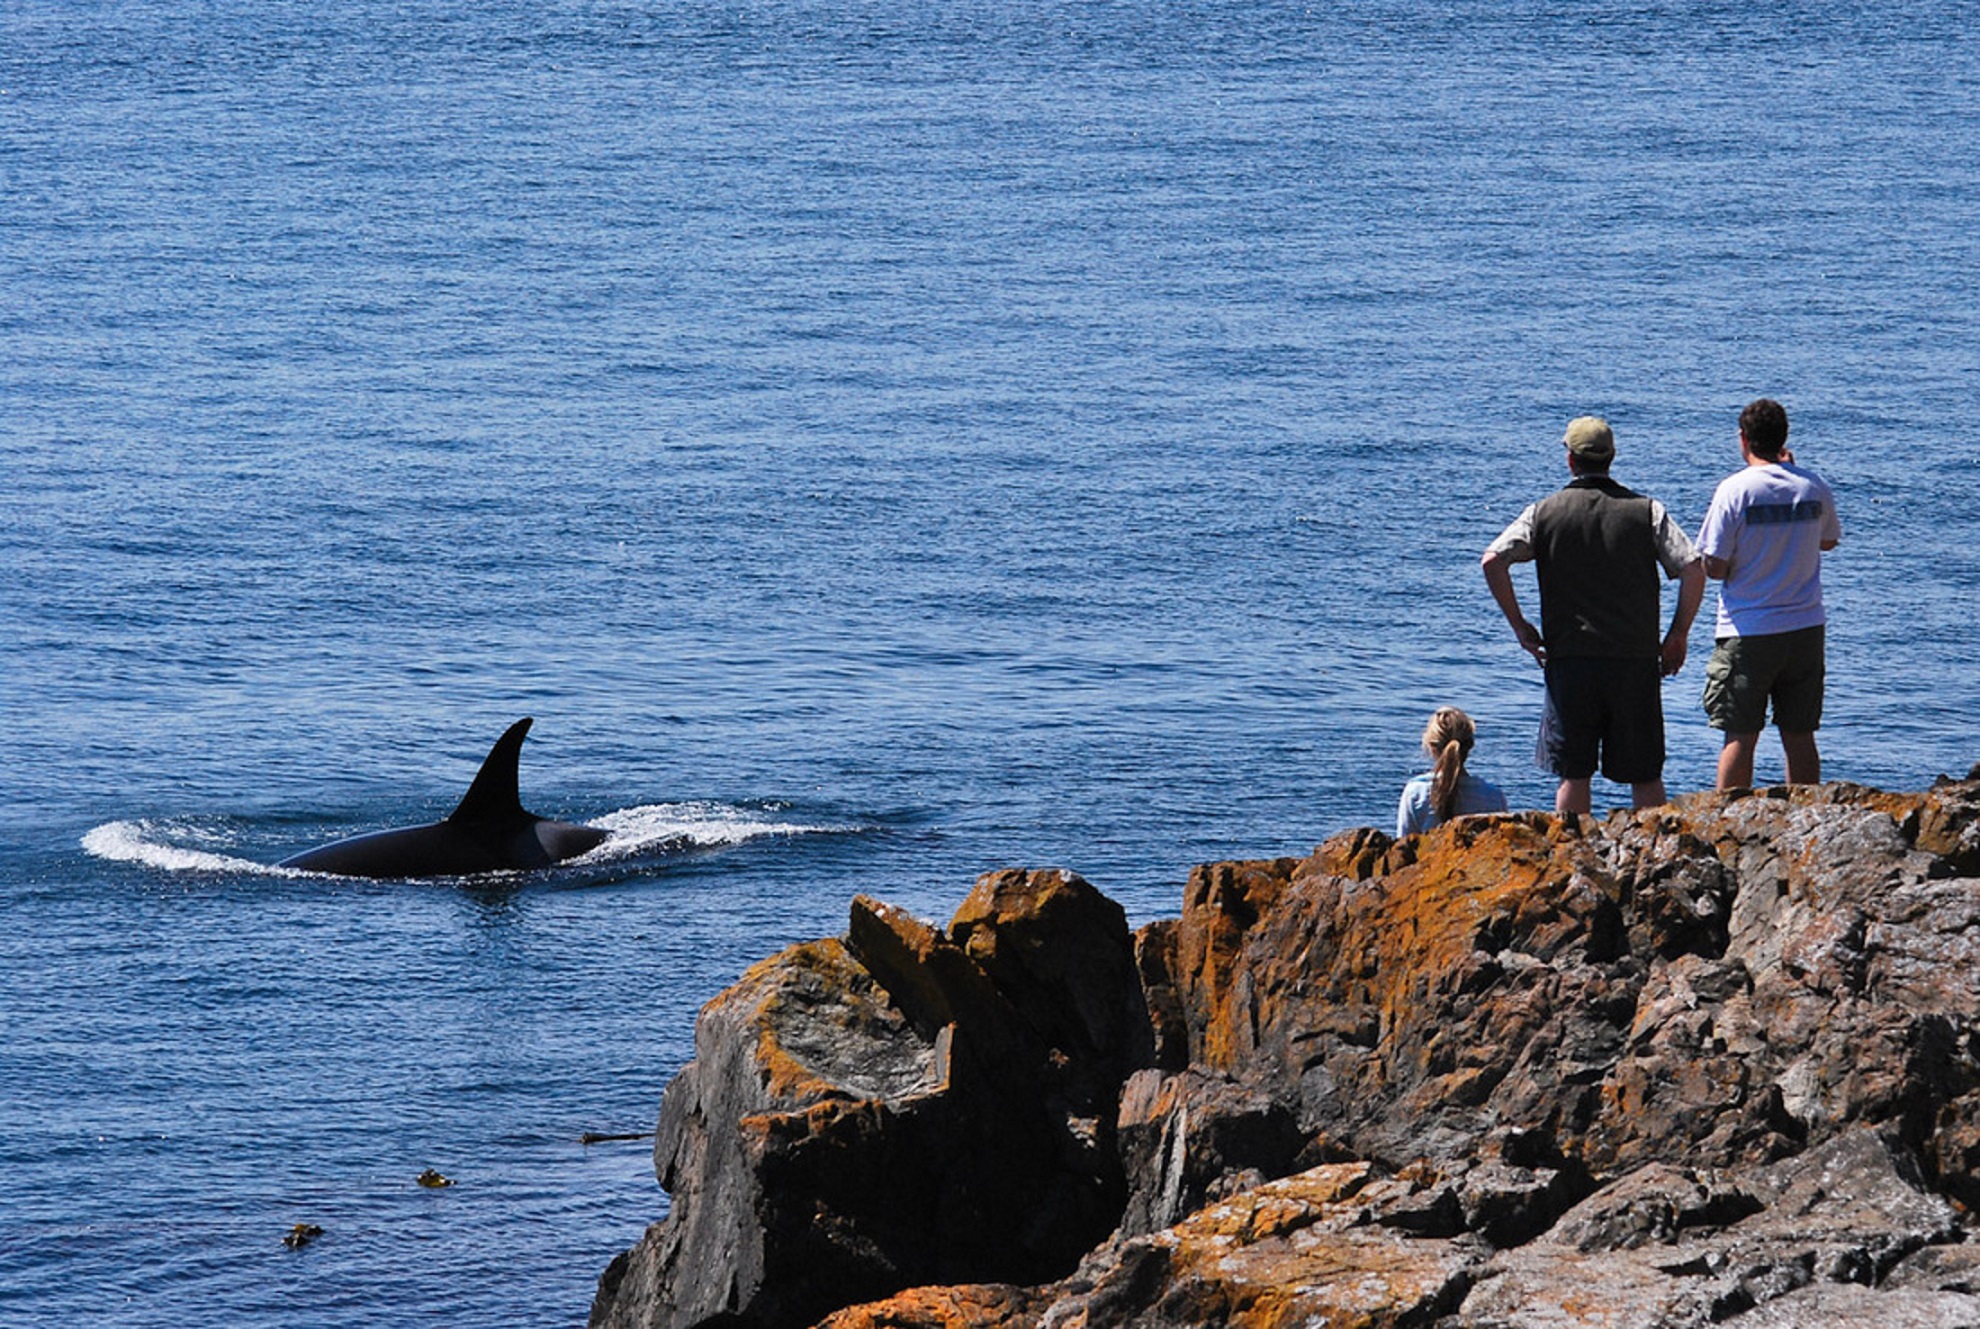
[(1736, 761), (1804, 761), (1647, 794), (1574, 796)]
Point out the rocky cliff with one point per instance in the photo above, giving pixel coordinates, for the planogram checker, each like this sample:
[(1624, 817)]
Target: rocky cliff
[(1715, 1062)]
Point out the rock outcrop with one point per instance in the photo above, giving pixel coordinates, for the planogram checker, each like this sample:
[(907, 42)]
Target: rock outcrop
[(1715, 1062), (906, 1105)]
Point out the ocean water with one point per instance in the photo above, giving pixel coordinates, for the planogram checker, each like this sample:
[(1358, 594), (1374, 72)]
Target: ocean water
[(879, 442)]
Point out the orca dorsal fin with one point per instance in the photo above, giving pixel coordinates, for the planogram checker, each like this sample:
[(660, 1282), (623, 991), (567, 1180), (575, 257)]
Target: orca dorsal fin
[(495, 795)]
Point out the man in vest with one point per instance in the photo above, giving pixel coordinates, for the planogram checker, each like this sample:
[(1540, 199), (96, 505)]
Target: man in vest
[(1597, 548), (1764, 536)]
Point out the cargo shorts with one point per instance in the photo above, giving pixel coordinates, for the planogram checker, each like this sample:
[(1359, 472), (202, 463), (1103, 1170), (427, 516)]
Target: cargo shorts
[(1787, 669)]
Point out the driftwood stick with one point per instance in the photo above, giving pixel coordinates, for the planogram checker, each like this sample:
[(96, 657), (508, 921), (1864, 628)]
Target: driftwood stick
[(600, 1137)]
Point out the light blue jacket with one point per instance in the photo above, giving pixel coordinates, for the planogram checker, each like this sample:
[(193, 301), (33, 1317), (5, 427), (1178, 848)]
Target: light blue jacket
[(1415, 814)]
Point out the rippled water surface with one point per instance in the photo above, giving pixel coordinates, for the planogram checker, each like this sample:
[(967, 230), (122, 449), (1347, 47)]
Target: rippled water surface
[(878, 442)]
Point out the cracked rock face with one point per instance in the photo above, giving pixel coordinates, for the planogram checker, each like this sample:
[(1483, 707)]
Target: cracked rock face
[(1718, 1062), (1665, 1245), (905, 1105), (1719, 982)]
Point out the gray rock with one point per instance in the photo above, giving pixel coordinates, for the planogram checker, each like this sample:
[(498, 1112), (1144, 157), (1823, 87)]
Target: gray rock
[(1717, 1062), (898, 1108), (1859, 1307), (1669, 1247)]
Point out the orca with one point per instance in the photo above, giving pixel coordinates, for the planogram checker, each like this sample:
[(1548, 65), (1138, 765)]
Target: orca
[(488, 832)]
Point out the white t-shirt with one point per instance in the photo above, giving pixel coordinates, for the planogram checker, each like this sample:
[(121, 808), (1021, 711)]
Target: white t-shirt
[(1769, 524)]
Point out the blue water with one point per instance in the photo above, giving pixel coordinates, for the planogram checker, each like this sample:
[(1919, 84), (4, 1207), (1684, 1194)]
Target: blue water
[(879, 442)]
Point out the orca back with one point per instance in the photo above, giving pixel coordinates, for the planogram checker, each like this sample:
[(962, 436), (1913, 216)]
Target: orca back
[(489, 831)]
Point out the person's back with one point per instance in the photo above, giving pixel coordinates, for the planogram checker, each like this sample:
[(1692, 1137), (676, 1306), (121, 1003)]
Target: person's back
[(1598, 548), (1595, 558), (1418, 811), (1767, 524), (1447, 790), (1763, 539)]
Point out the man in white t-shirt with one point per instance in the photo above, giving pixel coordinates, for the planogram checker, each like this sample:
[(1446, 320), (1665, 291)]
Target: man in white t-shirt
[(1763, 541)]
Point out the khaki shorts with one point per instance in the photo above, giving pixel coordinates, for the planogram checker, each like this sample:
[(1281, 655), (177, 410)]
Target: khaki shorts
[(1745, 673)]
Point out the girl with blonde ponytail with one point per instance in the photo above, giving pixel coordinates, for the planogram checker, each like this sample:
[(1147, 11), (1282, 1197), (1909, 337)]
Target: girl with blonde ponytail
[(1447, 790)]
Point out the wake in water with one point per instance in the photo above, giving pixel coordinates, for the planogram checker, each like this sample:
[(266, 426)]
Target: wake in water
[(153, 844), (698, 825), (647, 831)]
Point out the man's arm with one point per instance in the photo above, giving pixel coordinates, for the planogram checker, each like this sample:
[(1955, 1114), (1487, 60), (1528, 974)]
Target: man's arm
[(1718, 569), (1498, 576), (1691, 593)]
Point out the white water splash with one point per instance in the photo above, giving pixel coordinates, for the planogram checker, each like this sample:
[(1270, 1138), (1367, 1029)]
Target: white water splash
[(143, 842), (654, 826)]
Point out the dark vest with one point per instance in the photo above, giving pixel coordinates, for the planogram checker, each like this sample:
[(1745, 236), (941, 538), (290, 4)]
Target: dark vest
[(1596, 557)]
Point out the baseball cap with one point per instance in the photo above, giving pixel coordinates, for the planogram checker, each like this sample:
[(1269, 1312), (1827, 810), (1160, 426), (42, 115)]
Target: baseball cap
[(1588, 436)]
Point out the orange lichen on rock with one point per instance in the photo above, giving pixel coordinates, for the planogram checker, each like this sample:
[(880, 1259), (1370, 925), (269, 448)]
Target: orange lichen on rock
[(1675, 1066), (969, 1306), (812, 997), (1280, 957), (1302, 1250)]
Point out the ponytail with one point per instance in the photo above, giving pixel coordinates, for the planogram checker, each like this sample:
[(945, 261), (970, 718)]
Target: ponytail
[(1447, 738)]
